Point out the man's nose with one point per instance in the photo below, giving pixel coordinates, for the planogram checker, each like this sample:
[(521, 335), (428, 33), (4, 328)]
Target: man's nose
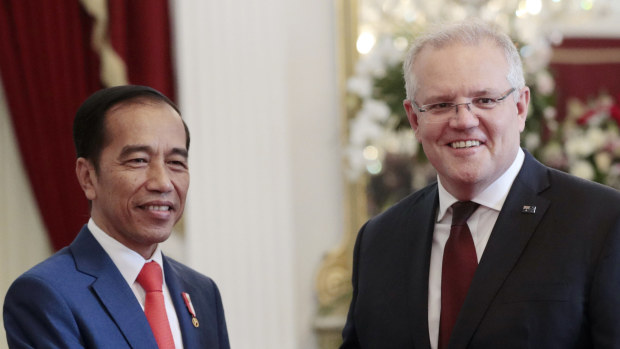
[(464, 117), (159, 178), (467, 104)]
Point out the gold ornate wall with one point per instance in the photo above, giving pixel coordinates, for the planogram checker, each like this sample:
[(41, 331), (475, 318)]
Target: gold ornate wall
[(333, 282)]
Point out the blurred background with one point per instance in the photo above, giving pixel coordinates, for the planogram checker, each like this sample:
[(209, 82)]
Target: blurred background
[(298, 133)]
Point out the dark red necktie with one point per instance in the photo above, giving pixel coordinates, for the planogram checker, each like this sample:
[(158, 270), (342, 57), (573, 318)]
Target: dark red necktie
[(150, 278), (459, 265)]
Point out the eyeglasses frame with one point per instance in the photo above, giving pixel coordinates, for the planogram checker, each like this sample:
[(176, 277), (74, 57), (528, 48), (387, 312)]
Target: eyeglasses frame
[(424, 108)]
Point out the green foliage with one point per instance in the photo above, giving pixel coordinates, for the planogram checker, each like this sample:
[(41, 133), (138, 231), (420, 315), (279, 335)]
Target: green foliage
[(390, 88)]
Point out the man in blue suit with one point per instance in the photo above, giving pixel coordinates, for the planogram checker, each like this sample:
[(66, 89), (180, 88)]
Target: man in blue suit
[(535, 260), (132, 163)]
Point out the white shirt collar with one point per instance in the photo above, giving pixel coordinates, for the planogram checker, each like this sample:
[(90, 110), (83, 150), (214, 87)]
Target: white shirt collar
[(128, 261), (492, 197)]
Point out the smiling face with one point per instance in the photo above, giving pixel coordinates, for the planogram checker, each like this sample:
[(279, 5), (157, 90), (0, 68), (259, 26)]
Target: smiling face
[(473, 148), (139, 191)]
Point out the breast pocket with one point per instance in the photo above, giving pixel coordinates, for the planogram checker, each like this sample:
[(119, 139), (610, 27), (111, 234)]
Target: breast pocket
[(536, 292)]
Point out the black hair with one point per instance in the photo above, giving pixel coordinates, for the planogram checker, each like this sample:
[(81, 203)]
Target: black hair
[(89, 124)]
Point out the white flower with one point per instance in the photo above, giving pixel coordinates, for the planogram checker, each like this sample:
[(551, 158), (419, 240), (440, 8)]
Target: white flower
[(605, 101), (553, 125), (537, 54), (582, 169), (360, 85), (363, 131), (371, 64), (532, 140), (578, 147), (388, 53), (603, 161), (375, 110), (598, 119), (549, 113), (614, 145), (400, 142), (574, 109), (356, 160), (595, 137), (545, 82), (553, 155), (613, 176)]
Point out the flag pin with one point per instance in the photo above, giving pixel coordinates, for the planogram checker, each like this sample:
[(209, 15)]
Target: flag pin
[(528, 209)]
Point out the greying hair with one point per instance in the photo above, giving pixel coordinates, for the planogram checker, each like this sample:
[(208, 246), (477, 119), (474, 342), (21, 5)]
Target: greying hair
[(470, 32)]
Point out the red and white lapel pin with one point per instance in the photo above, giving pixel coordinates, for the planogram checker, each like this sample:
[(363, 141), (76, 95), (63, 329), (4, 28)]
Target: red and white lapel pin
[(190, 308)]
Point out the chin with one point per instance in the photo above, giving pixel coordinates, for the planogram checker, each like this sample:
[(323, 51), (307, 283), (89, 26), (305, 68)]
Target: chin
[(158, 235)]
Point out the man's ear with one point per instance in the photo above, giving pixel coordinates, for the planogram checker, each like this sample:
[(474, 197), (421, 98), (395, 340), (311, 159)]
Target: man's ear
[(411, 114), (522, 107), (87, 176)]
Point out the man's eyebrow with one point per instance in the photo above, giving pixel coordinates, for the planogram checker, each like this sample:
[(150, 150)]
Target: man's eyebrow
[(449, 96), (129, 149), (179, 151), (440, 97), (482, 92)]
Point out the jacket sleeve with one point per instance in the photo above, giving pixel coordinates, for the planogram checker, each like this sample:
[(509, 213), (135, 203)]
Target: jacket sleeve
[(222, 330), (604, 297), (349, 333)]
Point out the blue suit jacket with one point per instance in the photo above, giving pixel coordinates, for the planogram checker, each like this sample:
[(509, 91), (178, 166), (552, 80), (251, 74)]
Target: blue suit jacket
[(78, 299), (547, 279)]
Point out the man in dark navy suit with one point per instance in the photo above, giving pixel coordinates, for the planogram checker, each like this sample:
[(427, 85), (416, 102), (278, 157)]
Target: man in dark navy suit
[(132, 163), (501, 251)]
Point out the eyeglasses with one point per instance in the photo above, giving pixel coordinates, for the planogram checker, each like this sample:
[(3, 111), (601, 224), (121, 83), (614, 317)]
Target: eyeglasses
[(442, 109)]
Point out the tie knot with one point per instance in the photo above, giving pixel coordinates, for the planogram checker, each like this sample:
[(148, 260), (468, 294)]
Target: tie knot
[(150, 277), (461, 211)]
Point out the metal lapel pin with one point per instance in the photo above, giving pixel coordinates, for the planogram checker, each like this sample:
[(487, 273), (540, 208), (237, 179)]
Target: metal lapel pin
[(528, 209)]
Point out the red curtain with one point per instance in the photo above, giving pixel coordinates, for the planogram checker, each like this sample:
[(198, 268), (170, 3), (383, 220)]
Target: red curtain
[(585, 67), (140, 34), (48, 68)]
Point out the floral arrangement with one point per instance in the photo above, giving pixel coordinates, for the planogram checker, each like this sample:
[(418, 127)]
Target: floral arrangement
[(586, 142)]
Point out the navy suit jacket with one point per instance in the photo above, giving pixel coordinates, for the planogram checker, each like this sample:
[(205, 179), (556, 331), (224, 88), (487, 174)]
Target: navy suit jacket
[(78, 299), (547, 279)]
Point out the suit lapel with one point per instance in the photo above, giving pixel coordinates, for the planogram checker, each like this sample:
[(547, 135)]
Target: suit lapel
[(421, 219), (509, 237), (174, 282), (112, 290)]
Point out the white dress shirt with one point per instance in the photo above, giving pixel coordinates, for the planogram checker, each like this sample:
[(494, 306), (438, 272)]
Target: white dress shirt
[(130, 263), (480, 224)]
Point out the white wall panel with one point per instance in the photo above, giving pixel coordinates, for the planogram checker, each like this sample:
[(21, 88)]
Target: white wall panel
[(257, 88)]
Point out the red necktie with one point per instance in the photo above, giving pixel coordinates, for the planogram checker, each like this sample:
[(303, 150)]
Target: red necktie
[(459, 265), (150, 278)]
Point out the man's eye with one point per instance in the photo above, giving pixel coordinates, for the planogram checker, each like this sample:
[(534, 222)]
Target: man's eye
[(178, 163), (441, 106), (138, 161), (484, 100)]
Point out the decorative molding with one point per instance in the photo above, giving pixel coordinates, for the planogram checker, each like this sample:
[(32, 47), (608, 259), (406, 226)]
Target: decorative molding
[(113, 69), (585, 56)]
